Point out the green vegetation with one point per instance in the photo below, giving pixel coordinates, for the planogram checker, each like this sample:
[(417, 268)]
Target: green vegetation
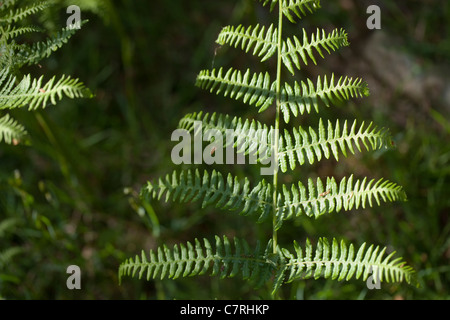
[(278, 202), (62, 198)]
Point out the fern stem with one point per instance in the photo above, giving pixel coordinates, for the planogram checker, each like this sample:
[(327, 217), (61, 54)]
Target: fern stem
[(277, 126)]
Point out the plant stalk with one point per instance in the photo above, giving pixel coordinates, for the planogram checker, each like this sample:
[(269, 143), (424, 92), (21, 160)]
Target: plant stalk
[(277, 127)]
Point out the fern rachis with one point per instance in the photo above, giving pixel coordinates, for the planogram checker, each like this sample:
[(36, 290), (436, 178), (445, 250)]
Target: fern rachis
[(273, 200)]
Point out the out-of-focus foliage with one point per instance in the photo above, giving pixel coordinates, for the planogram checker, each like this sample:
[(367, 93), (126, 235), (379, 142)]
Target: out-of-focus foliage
[(66, 193)]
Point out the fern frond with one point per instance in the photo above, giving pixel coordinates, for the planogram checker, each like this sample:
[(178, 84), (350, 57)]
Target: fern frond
[(300, 146), (13, 32), (293, 52), (314, 200), (342, 262), (304, 97), (185, 260), (6, 4), (318, 198), (264, 43), (303, 145), (228, 194), (337, 261), (24, 54), (10, 130), (34, 93), (30, 55), (278, 201), (299, 8), (291, 8), (21, 13), (272, 3), (252, 88), (310, 145), (248, 136)]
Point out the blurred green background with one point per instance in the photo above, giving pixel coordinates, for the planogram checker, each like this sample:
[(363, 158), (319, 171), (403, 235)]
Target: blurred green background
[(72, 197)]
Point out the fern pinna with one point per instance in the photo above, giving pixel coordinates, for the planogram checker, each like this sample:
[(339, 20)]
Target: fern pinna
[(270, 200), (18, 91)]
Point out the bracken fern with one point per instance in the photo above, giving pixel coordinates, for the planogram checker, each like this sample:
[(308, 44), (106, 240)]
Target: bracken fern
[(272, 201), (25, 91)]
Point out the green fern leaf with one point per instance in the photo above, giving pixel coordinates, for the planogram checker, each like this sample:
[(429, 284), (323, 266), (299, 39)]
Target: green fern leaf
[(304, 97), (14, 56), (253, 89), (291, 8), (264, 43), (30, 55), (278, 201), (272, 3), (300, 146), (310, 145), (229, 193), (13, 32), (343, 262), (315, 199), (10, 130), (294, 51), (248, 136), (6, 4), (337, 261), (21, 13), (299, 8), (185, 260), (318, 198), (34, 93)]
